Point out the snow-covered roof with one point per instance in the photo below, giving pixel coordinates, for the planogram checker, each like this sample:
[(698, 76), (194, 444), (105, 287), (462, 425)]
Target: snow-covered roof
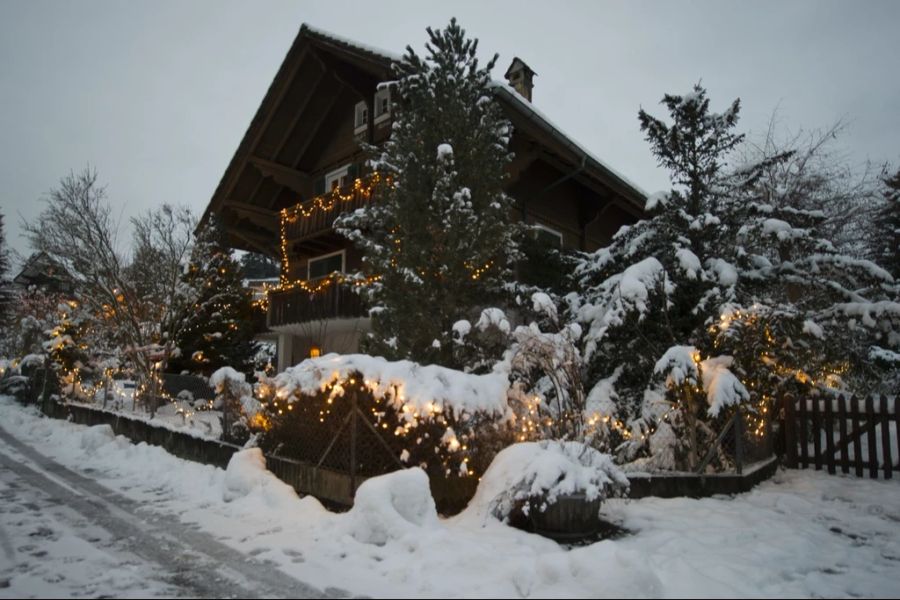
[(381, 61), (502, 89)]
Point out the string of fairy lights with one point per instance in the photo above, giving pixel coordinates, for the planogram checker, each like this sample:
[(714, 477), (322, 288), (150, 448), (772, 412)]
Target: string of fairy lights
[(362, 188)]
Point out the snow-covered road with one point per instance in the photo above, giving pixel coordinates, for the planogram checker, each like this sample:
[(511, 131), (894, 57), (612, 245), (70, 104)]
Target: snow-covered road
[(63, 534)]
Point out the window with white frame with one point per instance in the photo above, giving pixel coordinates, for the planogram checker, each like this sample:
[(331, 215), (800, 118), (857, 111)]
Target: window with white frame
[(325, 265), (547, 235), (360, 117), (382, 104), (337, 179)]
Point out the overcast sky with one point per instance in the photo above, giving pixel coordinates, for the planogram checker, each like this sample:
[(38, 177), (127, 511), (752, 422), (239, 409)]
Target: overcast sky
[(156, 95)]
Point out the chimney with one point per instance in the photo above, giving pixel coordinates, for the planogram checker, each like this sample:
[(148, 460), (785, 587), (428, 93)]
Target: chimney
[(519, 75)]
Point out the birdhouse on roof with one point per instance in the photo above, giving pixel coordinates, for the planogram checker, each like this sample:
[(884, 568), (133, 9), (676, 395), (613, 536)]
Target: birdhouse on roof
[(520, 77)]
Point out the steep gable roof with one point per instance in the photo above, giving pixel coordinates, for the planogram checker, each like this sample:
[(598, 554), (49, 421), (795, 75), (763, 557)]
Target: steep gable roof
[(378, 63)]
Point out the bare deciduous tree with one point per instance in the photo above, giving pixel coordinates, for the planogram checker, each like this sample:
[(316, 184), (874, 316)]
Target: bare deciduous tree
[(135, 300)]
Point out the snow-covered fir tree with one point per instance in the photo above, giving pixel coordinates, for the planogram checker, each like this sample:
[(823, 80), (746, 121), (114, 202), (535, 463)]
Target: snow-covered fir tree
[(218, 330), (885, 227), (727, 293), (439, 238)]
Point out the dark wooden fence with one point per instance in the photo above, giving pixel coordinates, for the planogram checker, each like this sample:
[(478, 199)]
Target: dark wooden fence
[(850, 434)]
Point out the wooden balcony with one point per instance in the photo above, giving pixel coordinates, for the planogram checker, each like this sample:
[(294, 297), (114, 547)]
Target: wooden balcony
[(316, 216), (297, 305)]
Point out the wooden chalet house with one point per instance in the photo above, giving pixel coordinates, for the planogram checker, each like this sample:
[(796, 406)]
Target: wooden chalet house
[(300, 165)]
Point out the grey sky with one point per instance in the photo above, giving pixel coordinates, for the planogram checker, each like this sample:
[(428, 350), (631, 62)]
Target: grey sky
[(156, 95)]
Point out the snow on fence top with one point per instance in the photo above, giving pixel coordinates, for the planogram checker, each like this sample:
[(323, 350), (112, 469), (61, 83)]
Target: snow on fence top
[(425, 389)]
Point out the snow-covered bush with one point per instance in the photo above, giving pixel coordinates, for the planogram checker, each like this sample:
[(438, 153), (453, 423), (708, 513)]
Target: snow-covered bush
[(448, 422), (234, 397), (535, 474)]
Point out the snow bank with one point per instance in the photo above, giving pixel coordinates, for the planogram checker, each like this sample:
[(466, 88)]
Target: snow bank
[(96, 437), (424, 389), (679, 547), (247, 478), (544, 470), (392, 506)]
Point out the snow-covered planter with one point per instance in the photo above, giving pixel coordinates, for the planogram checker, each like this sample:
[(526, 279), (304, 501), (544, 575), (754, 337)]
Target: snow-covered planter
[(557, 486)]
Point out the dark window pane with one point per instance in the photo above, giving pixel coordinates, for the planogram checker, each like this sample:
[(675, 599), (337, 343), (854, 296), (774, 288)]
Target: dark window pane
[(322, 267)]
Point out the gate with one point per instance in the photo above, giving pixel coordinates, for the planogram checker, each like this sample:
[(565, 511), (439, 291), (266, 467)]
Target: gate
[(850, 434)]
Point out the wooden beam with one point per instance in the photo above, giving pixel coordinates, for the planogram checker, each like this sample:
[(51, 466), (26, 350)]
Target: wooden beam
[(301, 108), (310, 94), (265, 218), (362, 85), (263, 246), (289, 177), (249, 142), (314, 130)]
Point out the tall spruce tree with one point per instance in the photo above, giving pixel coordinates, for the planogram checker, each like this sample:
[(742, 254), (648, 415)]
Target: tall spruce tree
[(439, 239), (885, 235), (219, 330)]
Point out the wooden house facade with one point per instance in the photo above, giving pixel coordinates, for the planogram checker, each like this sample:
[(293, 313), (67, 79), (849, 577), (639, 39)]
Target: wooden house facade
[(301, 164)]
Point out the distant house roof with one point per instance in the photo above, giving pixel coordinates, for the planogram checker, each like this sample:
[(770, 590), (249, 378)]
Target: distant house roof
[(378, 62), (43, 271)]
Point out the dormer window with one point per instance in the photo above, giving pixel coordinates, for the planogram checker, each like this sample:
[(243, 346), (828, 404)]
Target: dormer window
[(361, 117), (382, 105)]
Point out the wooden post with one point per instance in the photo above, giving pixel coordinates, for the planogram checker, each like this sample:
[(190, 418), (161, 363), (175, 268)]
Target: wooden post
[(353, 413), (817, 435), (886, 437), (692, 429), (790, 431), (842, 427), (739, 441), (829, 436), (802, 425), (872, 443), (857, 442)]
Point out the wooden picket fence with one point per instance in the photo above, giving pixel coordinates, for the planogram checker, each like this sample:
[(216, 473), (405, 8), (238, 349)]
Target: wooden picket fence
[(846, 433)]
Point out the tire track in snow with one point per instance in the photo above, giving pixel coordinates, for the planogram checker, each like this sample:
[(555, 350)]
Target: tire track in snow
[(197, 562)]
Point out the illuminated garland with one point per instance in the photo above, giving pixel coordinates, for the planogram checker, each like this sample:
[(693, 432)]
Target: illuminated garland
[(361, 188)]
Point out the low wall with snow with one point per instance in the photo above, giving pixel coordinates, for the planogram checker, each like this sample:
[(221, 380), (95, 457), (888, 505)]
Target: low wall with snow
[(327, 485), (337, 488)]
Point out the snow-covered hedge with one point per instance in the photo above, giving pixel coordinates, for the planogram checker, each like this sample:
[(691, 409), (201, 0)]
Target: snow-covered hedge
[(429, 416)]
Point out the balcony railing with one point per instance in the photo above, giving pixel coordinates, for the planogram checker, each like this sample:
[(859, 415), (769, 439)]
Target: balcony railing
[(297, 305), (317, 215)]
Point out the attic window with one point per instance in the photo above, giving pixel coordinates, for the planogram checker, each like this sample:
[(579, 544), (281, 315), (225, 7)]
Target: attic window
[(361, 117), (382, 104)]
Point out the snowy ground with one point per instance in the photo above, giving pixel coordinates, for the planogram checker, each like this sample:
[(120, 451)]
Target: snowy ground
[(801, 534)]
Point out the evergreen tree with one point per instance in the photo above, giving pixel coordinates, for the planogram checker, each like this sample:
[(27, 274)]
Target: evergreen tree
[(439, 239), (218, 332), (258, 266), (885, 236), (727, 292), (5, 288)]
